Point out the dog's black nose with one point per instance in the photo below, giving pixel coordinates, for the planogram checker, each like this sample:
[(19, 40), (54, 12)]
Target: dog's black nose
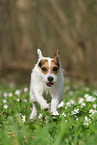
[(50, 79)]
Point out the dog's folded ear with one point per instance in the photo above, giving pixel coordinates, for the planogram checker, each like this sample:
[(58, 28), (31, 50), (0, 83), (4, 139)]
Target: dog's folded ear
[(56, 58), (39, 53), (57, 54)]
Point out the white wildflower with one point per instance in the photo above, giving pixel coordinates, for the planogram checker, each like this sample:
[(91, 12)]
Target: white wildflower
[(94, 106), (77, 118), (81, 100), (52, 138), (87, 121), (66, 107), (83, 104), (40, 116), (5, 95), (61, 104), (23, 118), (95, 111), (86, 95), (68, 104), (18, 100), (72, 101), (90, 99), (63, 114), (4, 101), (75, 111), (10, 94), (55, 113), (17, 92), (91, 111), (5, 106), (25, 89)]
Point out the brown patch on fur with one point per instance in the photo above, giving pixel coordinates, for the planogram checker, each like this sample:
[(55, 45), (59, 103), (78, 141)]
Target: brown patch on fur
[(54, 67), (44, 66), (55, 63)]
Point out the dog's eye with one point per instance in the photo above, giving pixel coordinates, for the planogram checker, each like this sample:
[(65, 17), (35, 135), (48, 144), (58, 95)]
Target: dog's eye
[(44, 68), (55, 68)]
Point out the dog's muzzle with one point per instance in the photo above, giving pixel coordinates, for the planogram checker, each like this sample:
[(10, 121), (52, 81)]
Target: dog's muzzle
[(50, 83)]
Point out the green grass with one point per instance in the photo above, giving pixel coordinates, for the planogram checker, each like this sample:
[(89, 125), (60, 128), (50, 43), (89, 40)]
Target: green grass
[(74, 123)]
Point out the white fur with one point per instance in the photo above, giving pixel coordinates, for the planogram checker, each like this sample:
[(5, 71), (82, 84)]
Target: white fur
[(39, 53), (38, 86)]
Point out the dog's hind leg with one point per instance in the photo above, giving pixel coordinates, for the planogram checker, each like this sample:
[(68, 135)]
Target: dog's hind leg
[(34, 111)]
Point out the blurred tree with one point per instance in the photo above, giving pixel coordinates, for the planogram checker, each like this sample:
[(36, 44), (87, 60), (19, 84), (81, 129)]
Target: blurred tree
[(9, 31), (26, 25)]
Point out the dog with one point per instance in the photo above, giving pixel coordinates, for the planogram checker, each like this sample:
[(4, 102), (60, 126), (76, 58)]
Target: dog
[(47, 76)]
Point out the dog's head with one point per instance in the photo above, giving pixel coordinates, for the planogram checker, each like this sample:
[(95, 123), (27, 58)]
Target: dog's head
[(49, 68)]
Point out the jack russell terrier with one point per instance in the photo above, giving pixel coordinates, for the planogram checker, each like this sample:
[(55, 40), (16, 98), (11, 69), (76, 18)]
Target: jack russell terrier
[(47, 76)]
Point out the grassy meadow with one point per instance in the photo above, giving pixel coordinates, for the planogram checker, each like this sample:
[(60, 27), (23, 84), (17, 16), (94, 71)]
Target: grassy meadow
[(74, 123)]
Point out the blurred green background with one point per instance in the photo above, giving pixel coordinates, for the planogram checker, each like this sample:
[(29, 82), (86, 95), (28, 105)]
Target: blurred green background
[(70, 26)]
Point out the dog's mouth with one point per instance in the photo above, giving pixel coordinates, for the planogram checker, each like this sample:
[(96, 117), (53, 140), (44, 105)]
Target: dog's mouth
[(49, 84)]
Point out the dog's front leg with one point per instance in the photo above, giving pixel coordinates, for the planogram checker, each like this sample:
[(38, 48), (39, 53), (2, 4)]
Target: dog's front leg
[(41, 101), (34, 111), (54, 104)]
